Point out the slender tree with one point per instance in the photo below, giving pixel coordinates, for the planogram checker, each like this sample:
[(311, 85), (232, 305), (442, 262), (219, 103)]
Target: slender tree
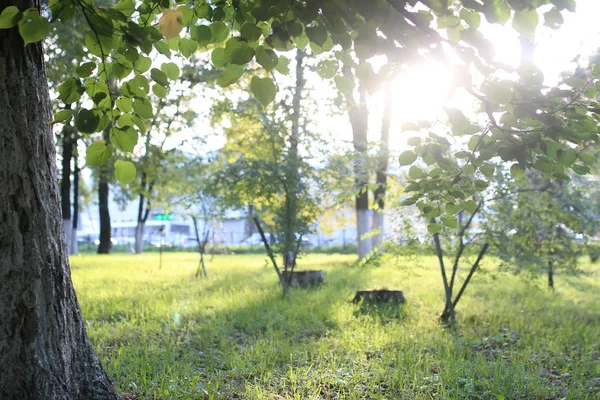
[(382, 172)]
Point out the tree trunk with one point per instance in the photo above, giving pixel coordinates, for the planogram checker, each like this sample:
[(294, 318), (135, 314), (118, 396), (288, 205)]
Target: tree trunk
[(550, 275), (143, 214), (73, 245), (292, 180), (359, 120), (105, 229), (44, 350), (381, 176), (65, 182)]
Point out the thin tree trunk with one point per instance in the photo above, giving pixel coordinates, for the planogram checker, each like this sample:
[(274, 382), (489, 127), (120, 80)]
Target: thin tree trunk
[(359, 120), (448, 315), (65, 182), (550, 275), (143, 214), (292, 178), (44, 350), (105, 229), (73, 248), (201, 247), (381, 175)]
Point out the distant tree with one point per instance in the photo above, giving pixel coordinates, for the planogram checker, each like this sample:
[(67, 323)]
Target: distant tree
[(537, 225)]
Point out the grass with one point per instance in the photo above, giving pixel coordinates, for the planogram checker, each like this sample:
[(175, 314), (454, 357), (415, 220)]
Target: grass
[(164, 334)]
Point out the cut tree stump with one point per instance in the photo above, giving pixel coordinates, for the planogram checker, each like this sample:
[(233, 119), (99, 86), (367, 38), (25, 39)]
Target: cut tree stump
[(304, 278), (379, 296)]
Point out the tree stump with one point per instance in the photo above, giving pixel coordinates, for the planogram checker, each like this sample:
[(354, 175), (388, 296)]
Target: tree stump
[(304, 278), (379, 296)]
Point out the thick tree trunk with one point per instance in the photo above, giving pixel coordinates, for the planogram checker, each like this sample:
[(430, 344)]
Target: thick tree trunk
[(381, 176), (44, 350), (73, 249), (65, 182), (359, 120)]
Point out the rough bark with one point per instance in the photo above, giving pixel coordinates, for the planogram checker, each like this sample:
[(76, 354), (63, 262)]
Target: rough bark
[(44, 350), (359, 120), (105, 230), (381, 175)]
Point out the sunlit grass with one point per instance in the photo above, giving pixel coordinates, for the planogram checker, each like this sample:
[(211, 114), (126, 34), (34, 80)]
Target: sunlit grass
[(162, 333)]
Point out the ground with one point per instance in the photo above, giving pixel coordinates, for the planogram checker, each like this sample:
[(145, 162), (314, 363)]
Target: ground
[(164, 334)]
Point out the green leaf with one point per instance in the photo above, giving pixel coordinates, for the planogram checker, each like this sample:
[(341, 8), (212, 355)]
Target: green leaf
[(487, 170), (97, 154), (575, 82), (62, 115), (496, 11), (219, 32), (230, 75), (9, 17), (434, 228), (317, 35), (517, 171), (99, 45), (124, 171), (470, 17), (238, 51), (410, 201), (124, 139), (33, 27), (85, 70), (581, 169), (415, 172), (452, 208), (283, 65), (450, 221), (553, 18), (480, 184), (70, 91), (143, 108), (327, 68), (171, 70), (267, 58), (408, 157), (469, 205), (187, 47), (143, 64), (250, 32), (343, 84), (159, 76), (124, 104), (159, 90), (567, 157), (263, 89), (587, 158), (525, 21), (163, 48), (218, 57), (87, 121), (202, 34)]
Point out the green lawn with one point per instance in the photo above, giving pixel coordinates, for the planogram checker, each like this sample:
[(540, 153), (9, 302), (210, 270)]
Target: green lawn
[(164, 334)]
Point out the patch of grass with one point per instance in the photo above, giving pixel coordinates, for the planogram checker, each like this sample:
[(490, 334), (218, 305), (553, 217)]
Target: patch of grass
[(164, 334)]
